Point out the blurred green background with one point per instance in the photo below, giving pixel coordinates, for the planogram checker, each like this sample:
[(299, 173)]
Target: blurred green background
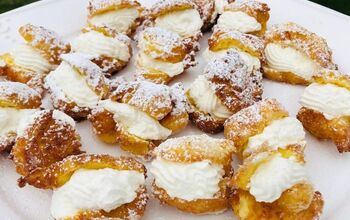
[(339, 5)]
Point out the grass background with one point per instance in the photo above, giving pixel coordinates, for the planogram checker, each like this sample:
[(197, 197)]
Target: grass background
[(339, 5)]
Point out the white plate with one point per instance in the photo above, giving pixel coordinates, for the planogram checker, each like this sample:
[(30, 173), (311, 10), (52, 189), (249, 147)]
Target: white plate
[(329, 171)]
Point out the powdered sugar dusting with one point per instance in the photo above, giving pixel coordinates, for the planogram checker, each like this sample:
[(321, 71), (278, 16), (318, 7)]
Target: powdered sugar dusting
[(23, 93)]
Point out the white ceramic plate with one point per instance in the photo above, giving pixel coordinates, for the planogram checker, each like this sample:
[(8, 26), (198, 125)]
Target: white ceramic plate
[(329, 171)]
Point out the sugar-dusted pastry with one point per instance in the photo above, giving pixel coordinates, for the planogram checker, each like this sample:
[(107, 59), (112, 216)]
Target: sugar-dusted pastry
[(139, 115), (247, 16), (122, 16), (264, 126), (225, 88), (29, 62), (111, 51), (17, 102), (294, 54), (210, 10), (249, 47), (94, 187), (178, 16), (191, 173), (325, 111), (162, 55), (275, 185), (44, 138), (76, 85)]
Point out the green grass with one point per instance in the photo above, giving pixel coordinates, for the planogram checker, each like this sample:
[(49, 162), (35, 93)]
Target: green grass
[(339, 5)]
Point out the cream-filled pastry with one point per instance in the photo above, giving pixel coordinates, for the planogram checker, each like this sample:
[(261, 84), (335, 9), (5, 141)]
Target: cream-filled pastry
[(178, 16), (162, 55), (43, 138), (190, 173), (31, 61), (109, 50), (225, 88), (249, 47), (139, 115), (264, 126), (121, 16), (294, 54), (325, 111), (273, 184), (94, 187), (247, 16), (76, 85), (17, 102)]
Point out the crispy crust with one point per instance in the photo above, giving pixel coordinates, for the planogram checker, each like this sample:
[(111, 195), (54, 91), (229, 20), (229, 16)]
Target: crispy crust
[(191, 149), (59, 173), (42, 144), (206, 9), (18, 74), (337, 130), (97, 7), (256, 9), (199, 206), (223, 39), (18, 95), (110, 65), (94, 78), (313, 46), (203, 121), (46, 41), (246, 208), (252, 121), (163, 7)]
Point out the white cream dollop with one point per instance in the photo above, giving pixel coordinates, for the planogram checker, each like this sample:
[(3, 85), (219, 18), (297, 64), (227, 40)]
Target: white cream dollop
[(136, 122), (63, 117), (30, 58), (238, 21), (185, 23), (280, 133), (104, 189), (219, 6), (206, 100), (251, 61), (272, 178), (171, 69), (74, 85), (331, 100), (287, 59), (199, 180), (120, 20), (97, 44), (11, 118)]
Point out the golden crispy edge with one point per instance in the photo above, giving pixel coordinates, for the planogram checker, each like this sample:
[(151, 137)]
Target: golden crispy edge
[(333, 77), (199, 206), (240, 131), (57, 174), (337, 129), (43, 144), (287, 77)]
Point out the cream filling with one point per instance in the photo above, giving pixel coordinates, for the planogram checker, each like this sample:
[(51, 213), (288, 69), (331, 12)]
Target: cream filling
[(97, 44), (171, 69), (119, 20), (288, 59), (30, 58), (74, 85), (219, 6), (11, 118), (186, 23), (279, 134), (238, 21), (104, 189), (136, 122), (251, 61), (331, 100), (206, 100), (199, 180), (272, 178)]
